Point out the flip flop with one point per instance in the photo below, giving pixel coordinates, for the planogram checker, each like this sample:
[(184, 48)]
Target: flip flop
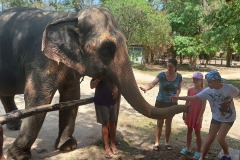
[(156, 147), (168, 147)]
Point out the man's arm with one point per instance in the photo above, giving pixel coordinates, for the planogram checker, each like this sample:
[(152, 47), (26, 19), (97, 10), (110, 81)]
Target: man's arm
[(94, 83)]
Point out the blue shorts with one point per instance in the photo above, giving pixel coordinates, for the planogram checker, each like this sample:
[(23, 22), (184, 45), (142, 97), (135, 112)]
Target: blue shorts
[(218, 122)]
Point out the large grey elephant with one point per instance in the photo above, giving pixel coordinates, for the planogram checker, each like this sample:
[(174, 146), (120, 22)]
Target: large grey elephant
[(42, 52)]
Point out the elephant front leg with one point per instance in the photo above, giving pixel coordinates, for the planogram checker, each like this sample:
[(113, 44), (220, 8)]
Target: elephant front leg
[(67, 118), (21, 147), (9, 106), (33, 96)]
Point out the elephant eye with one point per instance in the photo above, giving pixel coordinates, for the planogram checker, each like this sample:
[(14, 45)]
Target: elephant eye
[(107, 51)]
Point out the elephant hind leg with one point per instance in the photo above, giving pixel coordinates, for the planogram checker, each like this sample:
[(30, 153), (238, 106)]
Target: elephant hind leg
[(9, 106)]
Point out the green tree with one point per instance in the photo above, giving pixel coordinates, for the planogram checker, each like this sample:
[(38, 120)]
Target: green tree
[(141, 24), (6, 4), (185, 17), (223, 32)]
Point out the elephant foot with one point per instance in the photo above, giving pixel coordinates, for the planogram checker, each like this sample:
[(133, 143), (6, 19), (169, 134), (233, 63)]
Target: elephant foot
[(18, 154), (14, 125), (67, 145)]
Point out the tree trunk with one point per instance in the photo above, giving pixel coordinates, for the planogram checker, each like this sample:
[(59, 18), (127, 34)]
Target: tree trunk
[(228, 59), (152, 56)]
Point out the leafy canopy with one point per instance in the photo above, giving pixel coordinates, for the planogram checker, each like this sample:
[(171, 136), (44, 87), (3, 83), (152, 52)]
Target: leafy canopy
[(140, 22), (224, 23)]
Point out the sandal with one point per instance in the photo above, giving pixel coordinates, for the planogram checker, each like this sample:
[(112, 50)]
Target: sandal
[(185, 151), (225, 158), (156, 147), (196, 155), (168, 147)]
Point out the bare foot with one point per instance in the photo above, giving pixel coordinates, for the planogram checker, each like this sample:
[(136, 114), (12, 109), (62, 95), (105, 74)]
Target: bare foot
[(2, 158), (108, 153), (114, 150)]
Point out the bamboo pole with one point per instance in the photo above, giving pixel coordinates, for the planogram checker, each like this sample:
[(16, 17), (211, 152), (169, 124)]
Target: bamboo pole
[(23, 113)]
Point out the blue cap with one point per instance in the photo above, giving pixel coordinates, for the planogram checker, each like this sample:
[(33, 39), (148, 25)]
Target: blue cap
[(213, 76)]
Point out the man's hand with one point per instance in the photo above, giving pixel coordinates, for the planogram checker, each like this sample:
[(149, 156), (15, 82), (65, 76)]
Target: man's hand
[(115, 92)]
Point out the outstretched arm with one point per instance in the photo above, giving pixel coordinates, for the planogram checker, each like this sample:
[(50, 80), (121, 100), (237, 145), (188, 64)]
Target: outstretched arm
[(186, 98), (150, 85)]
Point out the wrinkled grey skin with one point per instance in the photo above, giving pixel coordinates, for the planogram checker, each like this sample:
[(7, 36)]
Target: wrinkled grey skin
[(42, 52)]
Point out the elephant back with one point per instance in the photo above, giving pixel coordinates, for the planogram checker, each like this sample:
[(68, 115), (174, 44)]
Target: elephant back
[(21, 31)]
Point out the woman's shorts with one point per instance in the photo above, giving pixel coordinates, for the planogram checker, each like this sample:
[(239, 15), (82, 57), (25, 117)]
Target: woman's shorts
[(160, 104), (218, 122), (105, 114)]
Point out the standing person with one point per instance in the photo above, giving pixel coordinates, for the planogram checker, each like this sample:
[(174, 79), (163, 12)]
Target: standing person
[(1, 143), (170, 85), (220, 97), (193, 119), (105, 101)]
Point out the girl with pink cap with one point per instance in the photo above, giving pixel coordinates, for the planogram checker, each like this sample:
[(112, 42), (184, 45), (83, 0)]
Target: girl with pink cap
[(193, 119)]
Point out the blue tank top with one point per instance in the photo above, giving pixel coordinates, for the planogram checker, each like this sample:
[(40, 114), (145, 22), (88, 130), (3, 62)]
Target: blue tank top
[(167, 88)]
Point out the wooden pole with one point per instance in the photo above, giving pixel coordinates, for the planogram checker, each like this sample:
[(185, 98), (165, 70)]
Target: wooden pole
[(23, 113)]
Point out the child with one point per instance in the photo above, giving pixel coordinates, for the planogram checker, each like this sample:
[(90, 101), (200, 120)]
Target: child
[(220, 97), (193, 119), (1, 143)]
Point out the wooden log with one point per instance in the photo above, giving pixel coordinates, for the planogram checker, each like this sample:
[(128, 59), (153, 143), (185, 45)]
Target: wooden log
[(23, 113)]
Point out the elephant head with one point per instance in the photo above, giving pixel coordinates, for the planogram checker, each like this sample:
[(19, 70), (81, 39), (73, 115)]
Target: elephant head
[(93, 45)]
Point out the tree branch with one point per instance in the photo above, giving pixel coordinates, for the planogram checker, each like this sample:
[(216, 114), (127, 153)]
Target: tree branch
[(23, 113)]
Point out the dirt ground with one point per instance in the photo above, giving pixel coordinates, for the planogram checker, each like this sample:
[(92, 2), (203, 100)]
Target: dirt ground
[(135, 133)]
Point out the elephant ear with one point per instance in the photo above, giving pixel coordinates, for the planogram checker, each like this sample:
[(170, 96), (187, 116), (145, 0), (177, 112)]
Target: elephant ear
[(60, 43)]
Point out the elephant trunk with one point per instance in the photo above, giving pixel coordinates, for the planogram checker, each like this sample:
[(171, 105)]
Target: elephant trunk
[(122, 74)]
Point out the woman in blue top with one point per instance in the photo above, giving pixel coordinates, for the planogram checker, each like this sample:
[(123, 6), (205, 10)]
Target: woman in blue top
[(170, 85)]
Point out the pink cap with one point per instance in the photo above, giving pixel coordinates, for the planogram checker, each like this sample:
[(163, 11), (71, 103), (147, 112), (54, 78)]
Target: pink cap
[(198, 75)]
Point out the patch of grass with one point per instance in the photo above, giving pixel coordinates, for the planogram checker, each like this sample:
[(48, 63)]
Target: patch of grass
[(141, 130), (235, 82)]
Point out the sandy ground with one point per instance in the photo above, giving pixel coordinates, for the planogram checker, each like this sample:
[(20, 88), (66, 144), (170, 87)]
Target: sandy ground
[(87, 131)]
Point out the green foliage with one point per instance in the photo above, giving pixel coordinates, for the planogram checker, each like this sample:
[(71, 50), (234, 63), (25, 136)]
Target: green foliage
[(139, 22), (188, 46), (158, 30), (185, 17), (224, 23), (57, 5)]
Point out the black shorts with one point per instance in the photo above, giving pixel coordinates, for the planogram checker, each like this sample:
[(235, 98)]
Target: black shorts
[(105, 114), (218, 122), (160, 104)]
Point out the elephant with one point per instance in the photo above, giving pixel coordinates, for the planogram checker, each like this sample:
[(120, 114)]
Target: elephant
[(44, 51)]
